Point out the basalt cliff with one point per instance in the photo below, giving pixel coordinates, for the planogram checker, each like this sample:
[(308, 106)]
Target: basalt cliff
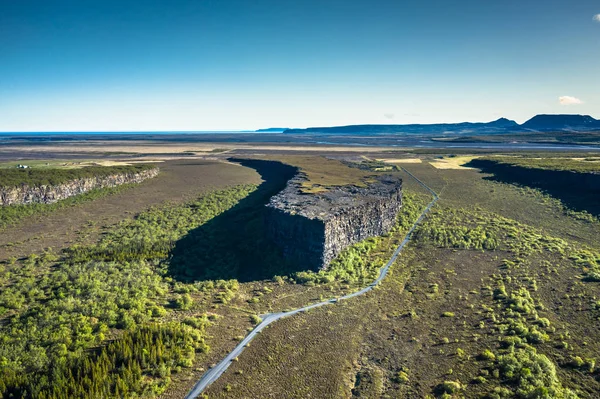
[(314, 228), (47, 194)]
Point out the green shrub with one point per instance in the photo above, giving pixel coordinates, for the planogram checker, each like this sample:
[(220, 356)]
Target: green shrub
[(402, 377), (450, 387), (533, 375), (487, 355), (183, 302)]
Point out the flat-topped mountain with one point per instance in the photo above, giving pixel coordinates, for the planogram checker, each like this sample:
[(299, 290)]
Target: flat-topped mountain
[(562, 122), (501, 126)]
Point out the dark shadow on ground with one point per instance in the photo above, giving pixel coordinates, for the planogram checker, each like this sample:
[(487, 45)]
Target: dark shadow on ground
[(233, 245), (578, 191)]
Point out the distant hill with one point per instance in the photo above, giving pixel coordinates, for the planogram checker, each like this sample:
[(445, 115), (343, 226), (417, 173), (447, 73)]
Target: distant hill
[(562, 122), (497, 126), (272, 130), (542, 123)]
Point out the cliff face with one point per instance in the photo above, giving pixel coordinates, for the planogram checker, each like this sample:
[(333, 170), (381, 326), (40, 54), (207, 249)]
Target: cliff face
[(47, 194), (314, 228), (577, 190)]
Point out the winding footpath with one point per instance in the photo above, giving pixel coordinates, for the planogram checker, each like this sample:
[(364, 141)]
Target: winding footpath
[(214, 373)]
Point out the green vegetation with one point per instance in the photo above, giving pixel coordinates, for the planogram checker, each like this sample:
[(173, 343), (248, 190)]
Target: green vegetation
[(476, 229), (479, 305), (138, 364), (519, 369), (60, 308), (38, 177), (57, 309)]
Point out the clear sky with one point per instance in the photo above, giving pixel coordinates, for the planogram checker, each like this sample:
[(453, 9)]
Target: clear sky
[(246, 64)]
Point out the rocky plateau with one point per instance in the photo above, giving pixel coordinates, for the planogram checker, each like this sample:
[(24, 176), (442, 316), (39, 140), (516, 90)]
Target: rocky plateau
[(314, 228)]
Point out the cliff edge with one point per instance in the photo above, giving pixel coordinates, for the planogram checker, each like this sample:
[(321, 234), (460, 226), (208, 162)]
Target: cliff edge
[(50, 193)]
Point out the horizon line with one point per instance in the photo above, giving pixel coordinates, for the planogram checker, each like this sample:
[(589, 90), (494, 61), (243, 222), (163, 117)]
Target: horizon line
[(250, 131)]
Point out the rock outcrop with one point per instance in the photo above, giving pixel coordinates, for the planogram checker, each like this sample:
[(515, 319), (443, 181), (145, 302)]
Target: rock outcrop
[(314, 228), (47, 194)]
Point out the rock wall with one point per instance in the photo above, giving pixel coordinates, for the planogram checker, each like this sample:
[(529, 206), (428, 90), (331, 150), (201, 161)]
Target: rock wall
[(314, 228), (542, 178), (47, 194)]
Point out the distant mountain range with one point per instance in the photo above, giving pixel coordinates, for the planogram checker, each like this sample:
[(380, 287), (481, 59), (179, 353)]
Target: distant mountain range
[(540, 123)]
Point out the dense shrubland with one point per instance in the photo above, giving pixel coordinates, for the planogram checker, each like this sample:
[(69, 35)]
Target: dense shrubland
[(153, 234), (110, 296), (517, 363), (138, 364)]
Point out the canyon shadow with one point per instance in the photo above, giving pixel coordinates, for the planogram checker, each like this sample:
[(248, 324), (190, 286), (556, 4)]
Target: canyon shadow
[(234, 244)]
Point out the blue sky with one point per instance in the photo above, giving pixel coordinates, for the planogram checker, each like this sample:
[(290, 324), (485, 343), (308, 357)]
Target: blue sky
[(245, 64)]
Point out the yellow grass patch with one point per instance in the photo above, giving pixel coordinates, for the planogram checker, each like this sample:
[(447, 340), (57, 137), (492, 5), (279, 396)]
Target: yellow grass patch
[(323, 173), (401, 160), (452, 162)]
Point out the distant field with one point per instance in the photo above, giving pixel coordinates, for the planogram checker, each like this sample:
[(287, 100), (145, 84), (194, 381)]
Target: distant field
[(401, 160), (457, 162)]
